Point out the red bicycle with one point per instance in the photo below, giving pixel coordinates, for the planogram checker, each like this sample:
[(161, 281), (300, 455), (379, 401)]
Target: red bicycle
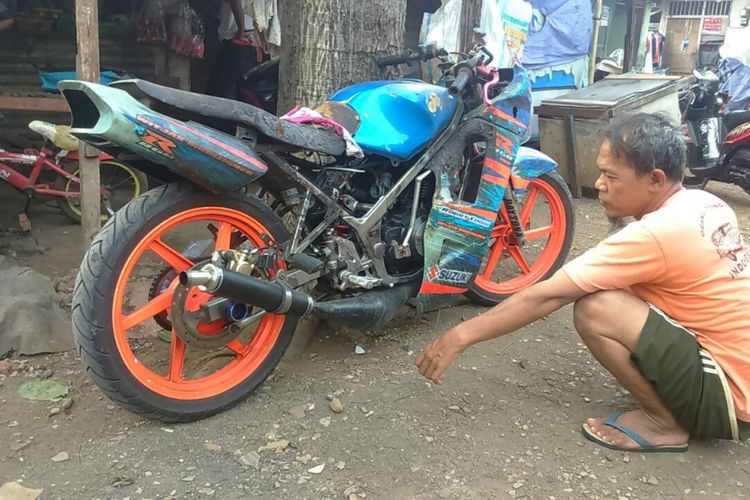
[(54, 172)]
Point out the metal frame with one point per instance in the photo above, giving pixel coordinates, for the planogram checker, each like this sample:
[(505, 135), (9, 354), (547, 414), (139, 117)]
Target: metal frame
[(366, 227)]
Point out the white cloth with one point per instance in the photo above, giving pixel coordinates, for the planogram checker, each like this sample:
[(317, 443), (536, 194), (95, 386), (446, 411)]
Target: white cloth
[(227, 25), (441, 28), (266, 14)]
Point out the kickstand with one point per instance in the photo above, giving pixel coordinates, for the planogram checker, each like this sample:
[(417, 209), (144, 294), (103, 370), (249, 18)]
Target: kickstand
[(704, 182), (23, 218)]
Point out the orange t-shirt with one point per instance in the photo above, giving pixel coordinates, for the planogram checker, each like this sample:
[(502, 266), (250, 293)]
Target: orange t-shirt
[(688, 259)]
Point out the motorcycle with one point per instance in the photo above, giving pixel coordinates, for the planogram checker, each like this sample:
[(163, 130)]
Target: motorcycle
[(718, 142), (260, 86), (188, 297)]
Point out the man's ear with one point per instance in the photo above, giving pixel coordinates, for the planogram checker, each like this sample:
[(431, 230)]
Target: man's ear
[(658, 179)]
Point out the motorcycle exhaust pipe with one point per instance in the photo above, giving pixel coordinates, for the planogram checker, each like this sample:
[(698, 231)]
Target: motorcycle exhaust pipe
[(244, 289), (367, 311)]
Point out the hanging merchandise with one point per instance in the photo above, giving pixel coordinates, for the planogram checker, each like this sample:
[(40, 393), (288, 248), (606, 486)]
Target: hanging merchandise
[(150, 26), (506, 23), (266, 15), (441, 28), (187, 32), (560, 33)]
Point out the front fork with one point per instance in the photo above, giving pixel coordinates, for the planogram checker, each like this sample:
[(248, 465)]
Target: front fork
[(513, 218)]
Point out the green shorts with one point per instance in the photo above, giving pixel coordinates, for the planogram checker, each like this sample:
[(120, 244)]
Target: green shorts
[(687, 378)]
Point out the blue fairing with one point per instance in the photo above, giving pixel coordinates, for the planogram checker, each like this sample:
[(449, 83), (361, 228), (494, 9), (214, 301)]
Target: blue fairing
[(398, 118), (530, 164)]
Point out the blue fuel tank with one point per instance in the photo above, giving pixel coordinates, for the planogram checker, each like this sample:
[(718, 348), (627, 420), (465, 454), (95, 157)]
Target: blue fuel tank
[(398, 118)]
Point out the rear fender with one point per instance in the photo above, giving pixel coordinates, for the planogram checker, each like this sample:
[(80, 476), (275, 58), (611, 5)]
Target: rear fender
[(110, 118)]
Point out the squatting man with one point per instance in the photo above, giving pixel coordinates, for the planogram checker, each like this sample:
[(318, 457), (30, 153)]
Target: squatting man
[(663, 304)]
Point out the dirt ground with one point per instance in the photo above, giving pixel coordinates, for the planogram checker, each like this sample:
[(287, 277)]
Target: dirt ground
[(505, 423)]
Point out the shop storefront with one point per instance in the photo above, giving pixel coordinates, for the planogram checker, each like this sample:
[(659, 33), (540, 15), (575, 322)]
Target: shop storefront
[(141, 38), (693, 32)]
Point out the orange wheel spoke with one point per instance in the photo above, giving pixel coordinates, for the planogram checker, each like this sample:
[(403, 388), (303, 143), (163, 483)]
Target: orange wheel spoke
[(528, 206), (238, 348), (498, 231), (150, 309), (497, 251), (533, 234), (515, 252), (178, 358), (170, 255), (223, 236)]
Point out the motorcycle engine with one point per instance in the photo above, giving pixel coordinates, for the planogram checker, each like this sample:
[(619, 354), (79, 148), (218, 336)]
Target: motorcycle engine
[(359, 187)]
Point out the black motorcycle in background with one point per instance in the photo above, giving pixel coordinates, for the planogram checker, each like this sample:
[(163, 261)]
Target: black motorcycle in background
[(718, 141)]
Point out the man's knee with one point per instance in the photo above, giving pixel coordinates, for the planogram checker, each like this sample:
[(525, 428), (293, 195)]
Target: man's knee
[(590, 312), (612, 313)]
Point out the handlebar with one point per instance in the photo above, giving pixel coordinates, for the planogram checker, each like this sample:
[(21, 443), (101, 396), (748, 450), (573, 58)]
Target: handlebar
[(462, 79), (465, 73), (424, 54), (394, 60)]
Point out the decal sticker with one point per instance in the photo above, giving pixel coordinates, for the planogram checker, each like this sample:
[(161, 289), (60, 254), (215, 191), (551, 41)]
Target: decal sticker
[(157, 144), (738, 131), (448, 275), (473, 219)]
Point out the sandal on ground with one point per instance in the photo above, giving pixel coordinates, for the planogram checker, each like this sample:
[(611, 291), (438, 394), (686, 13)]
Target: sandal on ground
[(645, 446)]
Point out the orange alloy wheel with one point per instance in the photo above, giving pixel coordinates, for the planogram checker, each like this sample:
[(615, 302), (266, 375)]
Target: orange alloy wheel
[(247, 356), (547, 219)]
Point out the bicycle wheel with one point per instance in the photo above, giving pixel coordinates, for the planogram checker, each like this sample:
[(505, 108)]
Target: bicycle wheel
[(123, 182)]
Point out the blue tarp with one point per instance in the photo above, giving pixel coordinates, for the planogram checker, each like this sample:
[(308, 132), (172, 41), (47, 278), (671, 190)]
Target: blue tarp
[(564, 34), (50, 79)]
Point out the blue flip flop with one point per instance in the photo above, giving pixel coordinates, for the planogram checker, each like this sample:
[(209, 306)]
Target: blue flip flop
[(645, 446)]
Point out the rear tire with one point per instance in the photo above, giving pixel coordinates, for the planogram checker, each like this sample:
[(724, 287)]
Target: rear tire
[(99, 327), (485, 289)]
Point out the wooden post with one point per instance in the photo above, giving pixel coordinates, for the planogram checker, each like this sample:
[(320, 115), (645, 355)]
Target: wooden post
[(595, 39), (628, 58), (570, 139), (87, 62)]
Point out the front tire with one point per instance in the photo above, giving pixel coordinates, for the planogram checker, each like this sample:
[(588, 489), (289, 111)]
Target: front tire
[(114, 323), (548, 221)]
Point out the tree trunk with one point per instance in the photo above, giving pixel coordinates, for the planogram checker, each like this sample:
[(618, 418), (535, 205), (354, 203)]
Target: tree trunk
[(329, 44)]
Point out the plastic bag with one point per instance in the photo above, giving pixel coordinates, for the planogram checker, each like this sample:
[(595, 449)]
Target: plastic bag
[(187, 32), (150, 25)]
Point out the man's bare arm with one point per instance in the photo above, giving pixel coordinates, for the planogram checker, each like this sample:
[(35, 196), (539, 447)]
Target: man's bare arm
[(239, 15), (521, 309)]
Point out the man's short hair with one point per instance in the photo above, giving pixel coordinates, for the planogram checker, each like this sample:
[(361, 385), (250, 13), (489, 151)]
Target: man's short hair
[(648, 141)]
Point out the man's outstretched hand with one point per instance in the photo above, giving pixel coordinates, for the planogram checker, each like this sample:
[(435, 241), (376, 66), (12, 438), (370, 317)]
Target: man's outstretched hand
[(439, 355)]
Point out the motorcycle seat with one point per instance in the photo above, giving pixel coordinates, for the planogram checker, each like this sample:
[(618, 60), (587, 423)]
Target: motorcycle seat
[(735, 118), (303, 136)]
